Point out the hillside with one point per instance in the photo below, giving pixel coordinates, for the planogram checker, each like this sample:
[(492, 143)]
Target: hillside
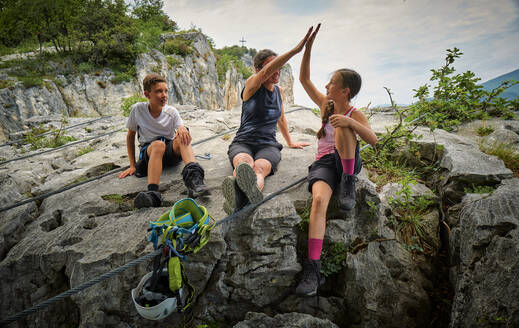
[(510, 93)]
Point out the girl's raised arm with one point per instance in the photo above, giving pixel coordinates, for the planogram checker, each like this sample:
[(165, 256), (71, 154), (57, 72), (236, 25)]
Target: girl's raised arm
[(304, 74)]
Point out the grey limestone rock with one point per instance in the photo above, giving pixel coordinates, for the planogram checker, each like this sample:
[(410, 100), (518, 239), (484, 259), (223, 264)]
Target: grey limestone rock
[(287, 320), (484, 247)]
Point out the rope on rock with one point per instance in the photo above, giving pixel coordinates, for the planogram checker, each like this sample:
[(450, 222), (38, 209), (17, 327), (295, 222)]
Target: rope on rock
[(49, 132)]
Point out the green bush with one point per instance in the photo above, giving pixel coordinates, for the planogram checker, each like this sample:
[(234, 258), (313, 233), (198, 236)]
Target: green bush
[(224, 62), (178, 46), (457, 98), (127, 103), (172, 61), (484, 130)]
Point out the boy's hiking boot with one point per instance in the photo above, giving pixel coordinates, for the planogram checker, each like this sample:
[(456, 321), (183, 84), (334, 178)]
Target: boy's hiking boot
[(311, 278), (193, 176), (346, 192), (148, 199), (235, 199), (247, 181)]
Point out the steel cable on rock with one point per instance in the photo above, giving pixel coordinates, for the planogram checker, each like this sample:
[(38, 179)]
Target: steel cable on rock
[(133, 263), (60, 147), (46, 195), (92, 282), (49, 132)]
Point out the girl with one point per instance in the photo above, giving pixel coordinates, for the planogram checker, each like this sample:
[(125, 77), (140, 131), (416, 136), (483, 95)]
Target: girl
[(337, 159)]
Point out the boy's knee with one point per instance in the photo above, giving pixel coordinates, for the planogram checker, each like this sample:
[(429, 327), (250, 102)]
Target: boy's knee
[(157, 147)]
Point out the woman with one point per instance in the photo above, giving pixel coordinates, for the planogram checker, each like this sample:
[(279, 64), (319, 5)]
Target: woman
[(337, 159), (255, 152)]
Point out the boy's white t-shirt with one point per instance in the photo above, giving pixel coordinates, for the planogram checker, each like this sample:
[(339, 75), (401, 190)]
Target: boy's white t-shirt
[(149, 128)]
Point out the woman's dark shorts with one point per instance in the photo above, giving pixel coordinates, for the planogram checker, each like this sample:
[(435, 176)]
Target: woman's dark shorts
[(329, 169), (168, 159), (271, 153)]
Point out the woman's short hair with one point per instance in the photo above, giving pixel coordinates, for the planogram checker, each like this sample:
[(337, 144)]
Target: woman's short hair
[(261, 56)]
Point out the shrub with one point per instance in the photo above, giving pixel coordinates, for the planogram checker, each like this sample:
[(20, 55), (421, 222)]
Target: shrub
[(224, 62), (178, 46), (127, 103), (172, 61), (505, 153), (457, 98), (484, 130)]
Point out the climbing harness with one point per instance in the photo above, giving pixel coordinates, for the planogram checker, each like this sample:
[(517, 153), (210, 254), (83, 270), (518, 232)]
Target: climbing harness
[(185, 229)]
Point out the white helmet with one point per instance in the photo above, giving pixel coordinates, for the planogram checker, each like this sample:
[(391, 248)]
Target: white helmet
[(165, 299)]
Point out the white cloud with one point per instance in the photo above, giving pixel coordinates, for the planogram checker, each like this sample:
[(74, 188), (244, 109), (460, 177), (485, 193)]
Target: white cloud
[(390, 43)]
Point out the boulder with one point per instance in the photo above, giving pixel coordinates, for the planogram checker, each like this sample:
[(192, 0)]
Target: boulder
[(483, 250), (260, 320)]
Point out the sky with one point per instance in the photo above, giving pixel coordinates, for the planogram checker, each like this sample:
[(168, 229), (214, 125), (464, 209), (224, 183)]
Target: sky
[(391, 43)]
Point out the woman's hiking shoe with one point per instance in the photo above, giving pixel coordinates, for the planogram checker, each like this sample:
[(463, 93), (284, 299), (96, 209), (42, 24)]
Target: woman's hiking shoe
[(193, 176), (311, 278), (148, 199), (346, 194), (234, 197), (247, 181)]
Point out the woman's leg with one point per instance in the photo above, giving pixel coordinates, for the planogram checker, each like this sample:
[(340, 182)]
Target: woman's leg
[(262, 168), (242, 158)]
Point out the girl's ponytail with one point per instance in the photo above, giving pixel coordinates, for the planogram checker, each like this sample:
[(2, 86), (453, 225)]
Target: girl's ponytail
[(328, 111)]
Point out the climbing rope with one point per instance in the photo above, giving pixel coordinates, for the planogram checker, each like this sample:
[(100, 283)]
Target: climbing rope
[(43, 196), (49, 132)]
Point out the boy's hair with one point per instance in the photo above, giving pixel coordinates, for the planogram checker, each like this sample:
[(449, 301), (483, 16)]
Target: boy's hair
[(350, 79), (150, 80), (260, 57)]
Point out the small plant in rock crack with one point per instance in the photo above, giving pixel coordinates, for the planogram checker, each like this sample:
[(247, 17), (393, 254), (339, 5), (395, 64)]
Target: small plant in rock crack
[(408, 212), (484, 130), (55, 139), (479, 189), (304, 213), (334, 259)]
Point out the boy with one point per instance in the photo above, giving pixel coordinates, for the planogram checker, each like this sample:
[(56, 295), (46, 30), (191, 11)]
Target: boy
[(163, 141)]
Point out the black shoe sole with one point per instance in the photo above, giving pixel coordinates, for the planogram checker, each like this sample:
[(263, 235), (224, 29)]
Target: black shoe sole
[(247, 181)]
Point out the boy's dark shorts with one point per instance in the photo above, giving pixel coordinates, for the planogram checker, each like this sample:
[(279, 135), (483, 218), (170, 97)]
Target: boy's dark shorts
[(271, 153), (169, 158), (329, 169)]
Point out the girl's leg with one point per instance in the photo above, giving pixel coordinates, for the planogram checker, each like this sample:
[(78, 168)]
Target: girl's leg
[(321, 194), (345, 142), (311, 277)]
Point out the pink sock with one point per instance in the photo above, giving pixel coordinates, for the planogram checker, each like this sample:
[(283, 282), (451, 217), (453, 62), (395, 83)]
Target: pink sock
[(348, 165), (314, 248)]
